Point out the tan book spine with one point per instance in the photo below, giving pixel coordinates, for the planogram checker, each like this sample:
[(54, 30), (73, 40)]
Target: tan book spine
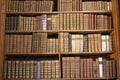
[(12, 69), (77, 67), (97, 68), (61, 42), (28, 69), (89, 43), (77, 21), (29, 44), (81, 68), (15, 44), (54, 45), (71, 21), (64, 67), (96, 42), (92, 43), (99, 42), (65, 42), (88, 68), (9, 69), (49, 69), (31, 69), (81, 21), (53, 69), (68, 67), (72, 67), (17, 69), (57, 69), (65, 20), (77, 42), (68, 21), (24, 69)]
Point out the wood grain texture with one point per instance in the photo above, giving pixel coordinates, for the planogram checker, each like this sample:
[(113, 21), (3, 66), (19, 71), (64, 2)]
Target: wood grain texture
[(2, 25)]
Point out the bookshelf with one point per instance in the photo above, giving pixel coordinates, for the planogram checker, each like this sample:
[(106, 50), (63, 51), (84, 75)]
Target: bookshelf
[(59, 40)]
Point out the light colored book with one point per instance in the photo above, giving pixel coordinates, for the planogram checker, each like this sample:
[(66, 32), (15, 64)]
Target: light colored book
[(100, 59)]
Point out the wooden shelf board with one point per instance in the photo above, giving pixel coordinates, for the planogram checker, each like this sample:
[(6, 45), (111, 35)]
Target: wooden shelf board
[(32, 54), (52, 31), (89, 31), (88, 78), (56, 31), (68, 79), (57, 12), (86, 53)]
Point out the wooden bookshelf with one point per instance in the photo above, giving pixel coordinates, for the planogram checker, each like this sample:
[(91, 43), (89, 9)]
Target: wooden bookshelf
[(59, 40)]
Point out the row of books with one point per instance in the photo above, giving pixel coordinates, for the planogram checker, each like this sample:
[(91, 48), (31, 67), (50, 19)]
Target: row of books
[(85, 43), (85, 5), (43, 43), (25, 23), (77, 21), (18, 43), (78, 67), (37, 43), (66, 21), (69, 5), (29, 5), (63, 5), (96, 5), (31, 69)]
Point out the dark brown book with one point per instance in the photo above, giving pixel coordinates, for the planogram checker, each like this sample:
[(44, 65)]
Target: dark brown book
[(114, 67), (84, 43), (110, 68), (94, 69), (41, 69), (107, 68), (20, 70)]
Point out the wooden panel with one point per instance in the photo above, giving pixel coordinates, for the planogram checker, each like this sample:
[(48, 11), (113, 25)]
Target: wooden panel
[(2, 18), (116, 37)]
